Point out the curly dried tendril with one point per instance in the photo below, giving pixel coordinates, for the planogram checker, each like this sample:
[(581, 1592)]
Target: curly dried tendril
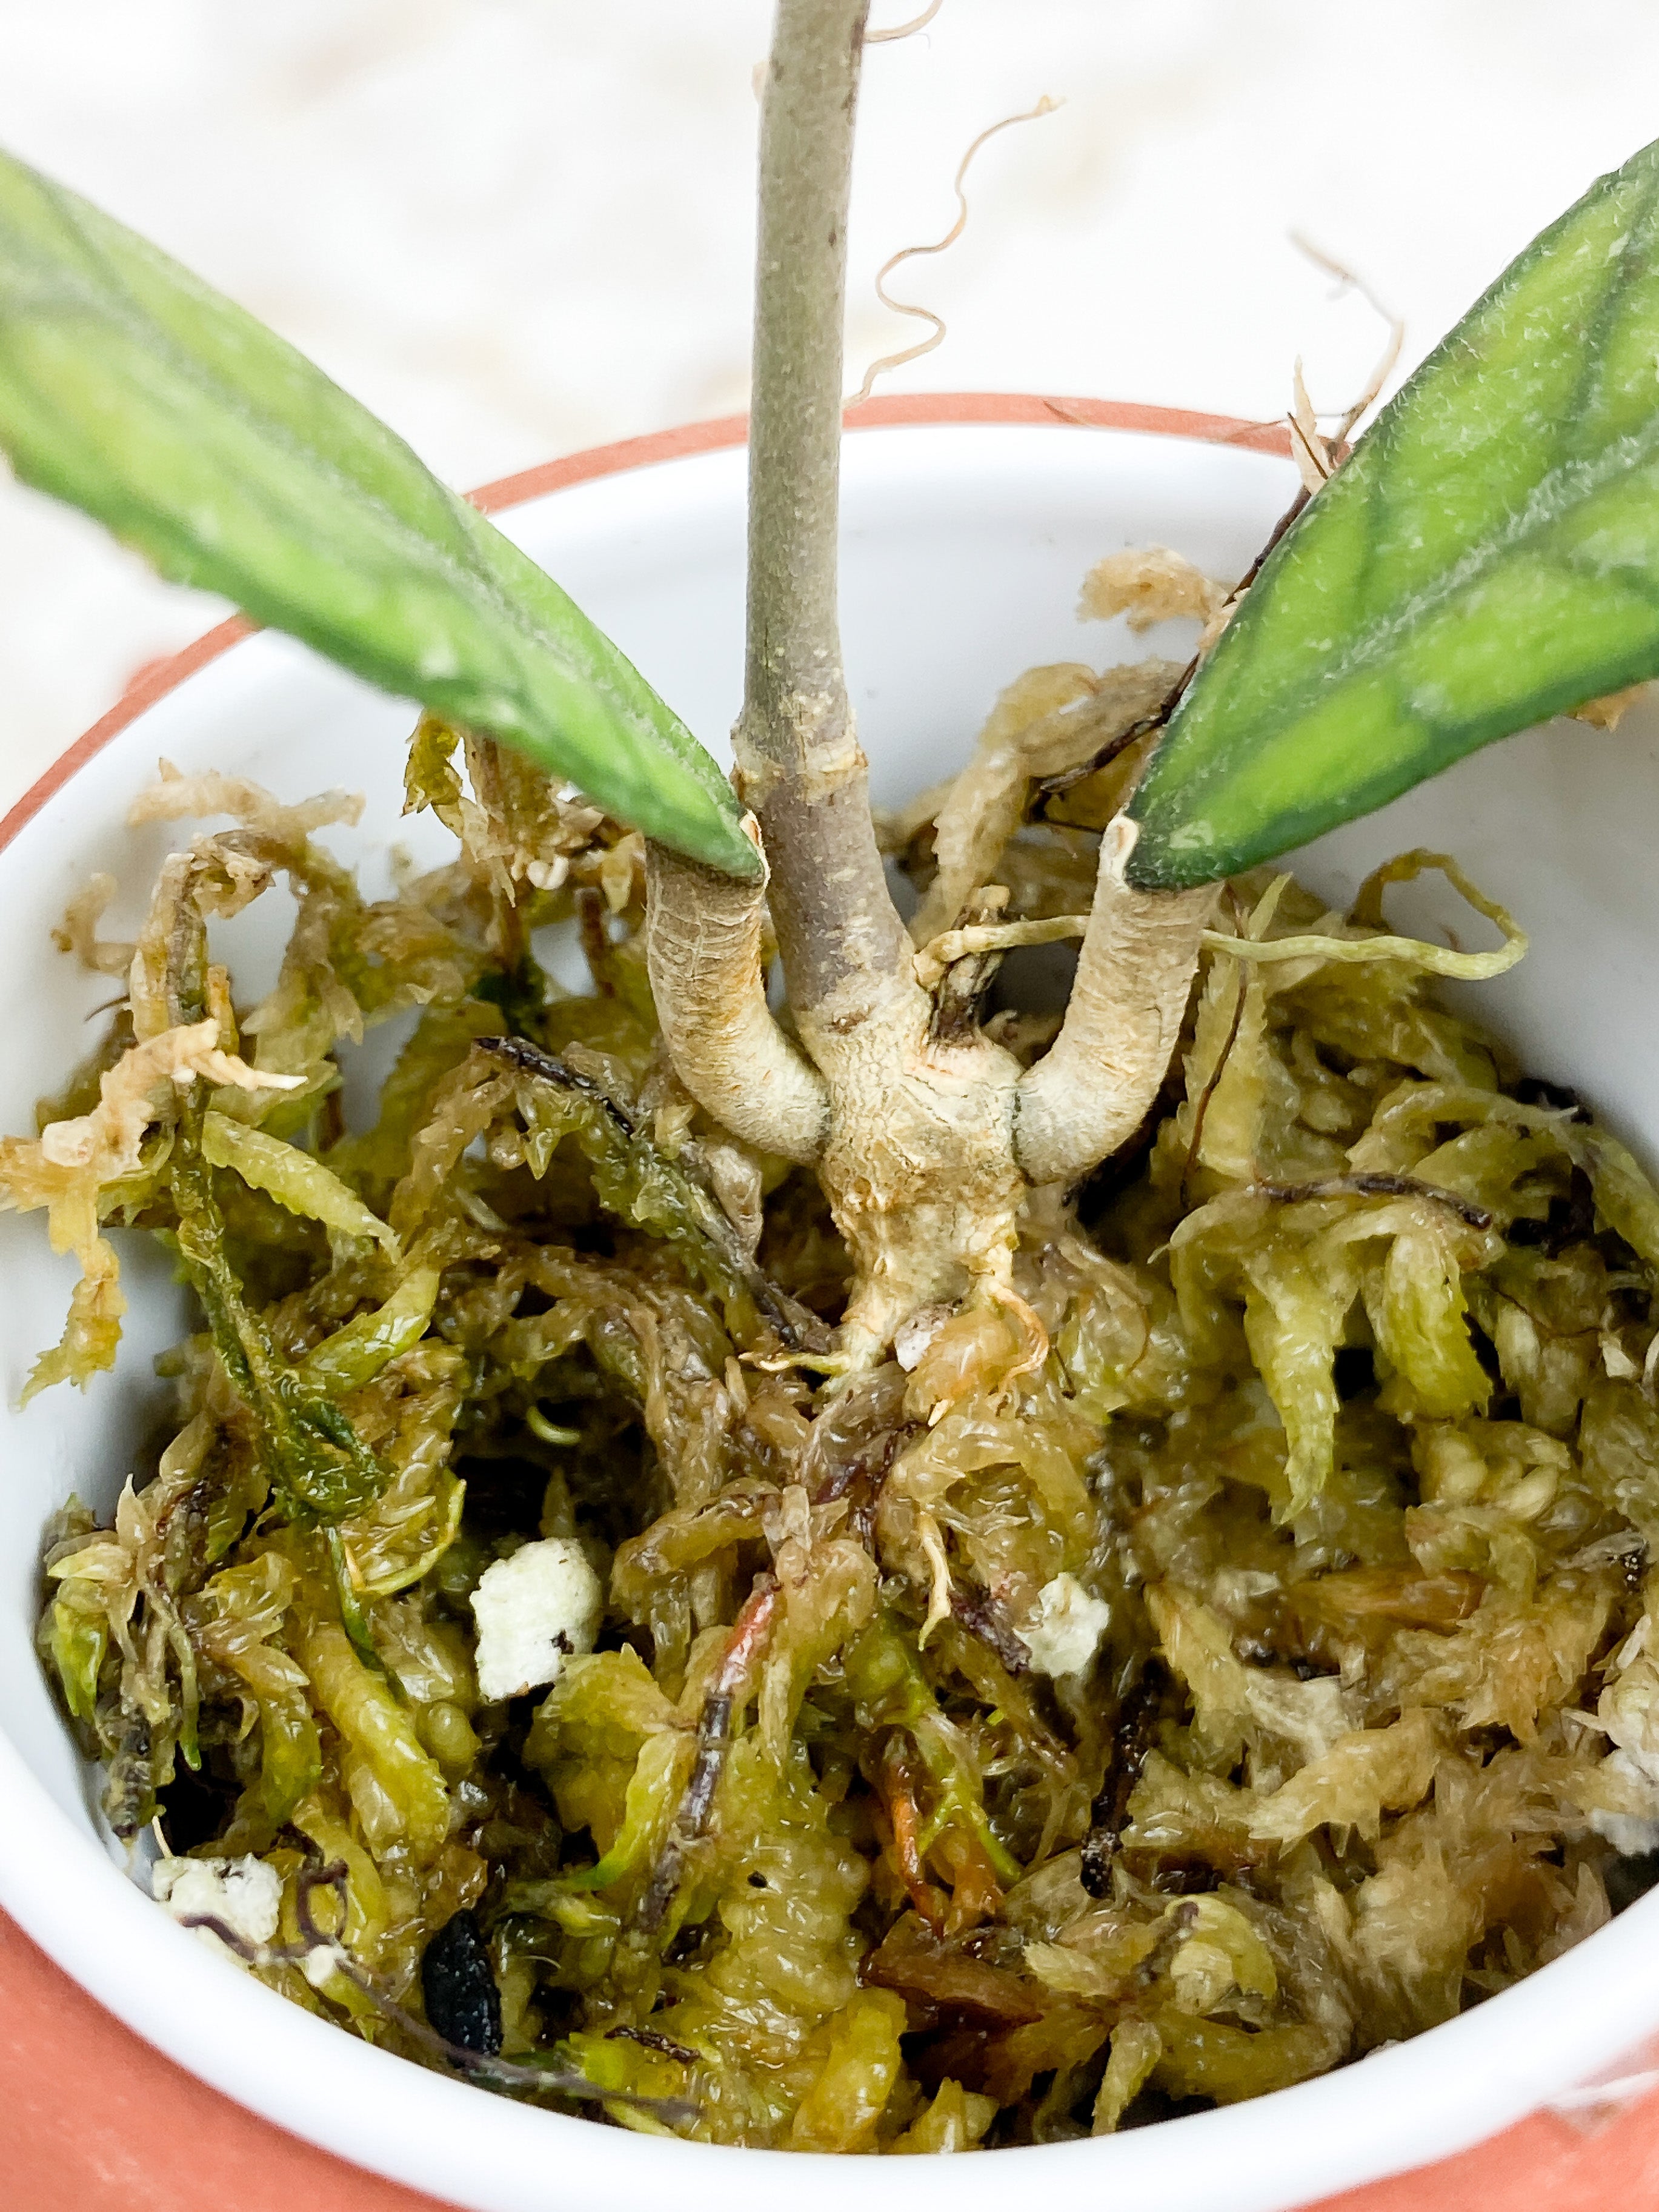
[(936, 337), (904, 30), (1367, 912)]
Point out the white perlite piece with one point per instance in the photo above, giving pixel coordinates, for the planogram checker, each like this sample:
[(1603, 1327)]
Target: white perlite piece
[(531, 1610), (321, 1965), (245, 1893), (1064, 1633)]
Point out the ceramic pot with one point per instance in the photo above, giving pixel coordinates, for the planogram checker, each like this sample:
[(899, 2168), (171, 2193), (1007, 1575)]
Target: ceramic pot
[(968, 525)]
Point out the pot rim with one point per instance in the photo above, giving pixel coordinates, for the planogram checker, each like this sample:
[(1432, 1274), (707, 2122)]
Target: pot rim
[(716, 434), (1502, 2097)]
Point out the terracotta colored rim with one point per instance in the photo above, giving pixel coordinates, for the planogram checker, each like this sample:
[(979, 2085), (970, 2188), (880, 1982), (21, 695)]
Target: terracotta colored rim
[(158, 677)]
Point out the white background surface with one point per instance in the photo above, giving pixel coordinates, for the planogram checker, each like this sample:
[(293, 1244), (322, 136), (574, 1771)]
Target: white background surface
[(516, 227)]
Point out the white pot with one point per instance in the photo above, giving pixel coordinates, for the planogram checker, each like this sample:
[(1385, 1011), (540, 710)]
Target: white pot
[(964, 543)]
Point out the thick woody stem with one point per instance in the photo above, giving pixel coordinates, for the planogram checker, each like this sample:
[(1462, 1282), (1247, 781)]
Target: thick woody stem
[(843, 947), (1093, 1088), (703, 944)]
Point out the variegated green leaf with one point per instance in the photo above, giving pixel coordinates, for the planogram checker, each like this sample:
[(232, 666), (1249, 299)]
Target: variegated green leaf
[(136, 393), (1489, 557)]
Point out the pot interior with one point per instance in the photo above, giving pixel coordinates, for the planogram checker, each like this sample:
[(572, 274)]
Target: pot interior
[(963, 550)]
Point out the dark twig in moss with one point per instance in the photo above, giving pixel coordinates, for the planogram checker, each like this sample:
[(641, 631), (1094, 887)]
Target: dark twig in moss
[(1132, 1739), (632, 1154), (981, 1616), (749, 1634), (1212, 1082), (1053, 786), (649, 2039), (1370, 1186)]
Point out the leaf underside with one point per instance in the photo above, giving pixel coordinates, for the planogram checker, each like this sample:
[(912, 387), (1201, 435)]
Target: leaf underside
[(135, 392), (1488, 556)]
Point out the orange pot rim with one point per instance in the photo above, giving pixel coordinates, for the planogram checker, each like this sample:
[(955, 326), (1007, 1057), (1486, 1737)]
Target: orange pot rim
[(717, 433)]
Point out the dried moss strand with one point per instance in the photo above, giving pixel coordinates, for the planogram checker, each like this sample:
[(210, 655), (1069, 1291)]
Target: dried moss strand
[(1055, 787)]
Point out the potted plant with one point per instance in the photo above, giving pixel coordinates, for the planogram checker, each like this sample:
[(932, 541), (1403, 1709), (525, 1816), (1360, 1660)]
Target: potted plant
[(1474, 565)]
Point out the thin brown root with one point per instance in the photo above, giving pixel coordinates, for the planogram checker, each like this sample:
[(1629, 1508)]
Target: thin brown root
[(1044, 106), (649, 2039), (1315, 456), (959, 984), (1055, 787), (1213, 1083), (904, 30), (799, 1329)]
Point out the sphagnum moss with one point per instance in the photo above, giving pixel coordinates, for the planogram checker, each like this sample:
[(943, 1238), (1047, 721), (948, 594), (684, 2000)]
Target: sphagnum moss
[(1334, 1392)]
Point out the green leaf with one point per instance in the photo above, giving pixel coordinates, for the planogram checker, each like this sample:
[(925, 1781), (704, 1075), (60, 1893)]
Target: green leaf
[(1489, 557), (135, 392)]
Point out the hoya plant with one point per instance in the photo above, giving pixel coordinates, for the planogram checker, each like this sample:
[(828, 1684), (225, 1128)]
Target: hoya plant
[(1484, 559), (1273, 1502)]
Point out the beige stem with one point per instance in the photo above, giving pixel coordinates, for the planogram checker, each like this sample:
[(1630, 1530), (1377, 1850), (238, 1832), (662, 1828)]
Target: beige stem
[(1092, 1089), (703, 938), (799, 760)]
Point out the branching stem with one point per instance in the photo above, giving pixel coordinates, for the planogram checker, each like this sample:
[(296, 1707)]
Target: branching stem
[(925, 1134), (1086, 1096), (703, 940), (801, 769)]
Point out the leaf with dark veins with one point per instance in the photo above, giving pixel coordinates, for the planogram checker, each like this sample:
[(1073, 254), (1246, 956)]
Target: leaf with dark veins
[(1488, 557), (134, 391)]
